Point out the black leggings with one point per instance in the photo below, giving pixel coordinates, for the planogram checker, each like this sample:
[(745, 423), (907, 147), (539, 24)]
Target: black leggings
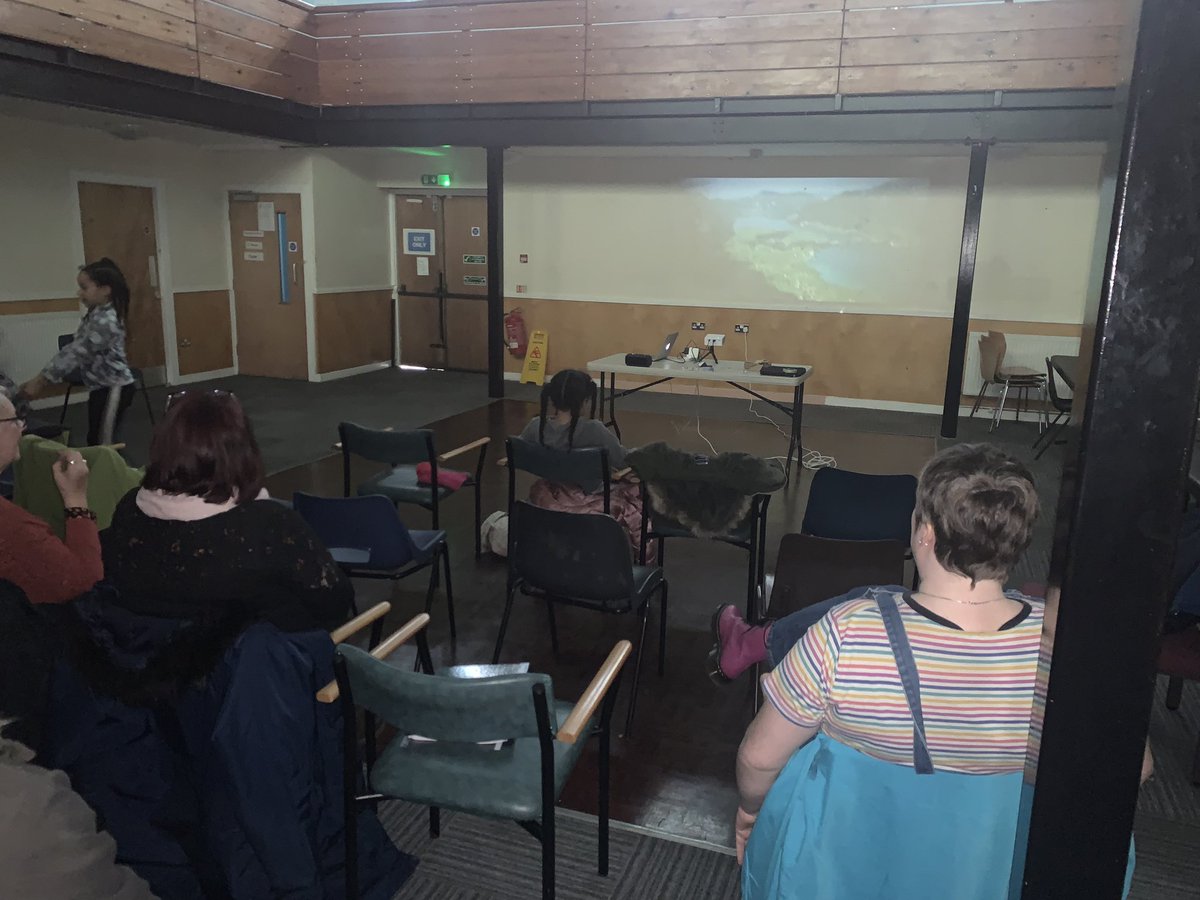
[(106, 412)]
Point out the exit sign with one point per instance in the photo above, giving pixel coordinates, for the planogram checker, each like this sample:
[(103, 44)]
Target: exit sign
[(442, 179)]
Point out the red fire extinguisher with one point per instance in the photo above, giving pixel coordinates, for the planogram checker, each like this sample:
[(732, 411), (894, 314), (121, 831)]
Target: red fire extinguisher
[(514, 333)]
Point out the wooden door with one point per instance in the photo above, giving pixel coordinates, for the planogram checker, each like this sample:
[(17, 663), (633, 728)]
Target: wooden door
[(203, 332), (421, 325), (465, 240), (268, 284), (118, 222)]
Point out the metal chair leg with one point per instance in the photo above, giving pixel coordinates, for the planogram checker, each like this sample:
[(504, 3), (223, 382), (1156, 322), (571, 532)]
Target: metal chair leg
[(1174, 693), (478, 523), (62, 416), (662, 631), (449, 592), (553, 626), (999, 414), (637, 669), (508, 605), (979, 399), (548, 857), (435, 822), (146, 396)]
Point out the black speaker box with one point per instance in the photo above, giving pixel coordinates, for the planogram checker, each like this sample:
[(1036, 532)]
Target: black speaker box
[(638, 359)]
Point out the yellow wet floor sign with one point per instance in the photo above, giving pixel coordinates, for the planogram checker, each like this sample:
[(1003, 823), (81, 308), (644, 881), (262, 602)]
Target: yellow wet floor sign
[(534, 370)]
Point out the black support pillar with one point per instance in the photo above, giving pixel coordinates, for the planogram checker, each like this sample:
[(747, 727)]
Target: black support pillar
[(1119, 509), (495, 270), (966, 284)]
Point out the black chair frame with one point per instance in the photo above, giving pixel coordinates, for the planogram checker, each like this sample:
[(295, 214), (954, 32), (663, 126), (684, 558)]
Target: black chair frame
[(442, 553), (139, 384), (434, 493), (514, 465), (1062, 408), (756, 564), (355, 773)]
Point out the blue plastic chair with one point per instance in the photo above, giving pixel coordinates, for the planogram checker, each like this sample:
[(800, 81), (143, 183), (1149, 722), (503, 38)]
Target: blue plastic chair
[(852, 506), (365, 536)]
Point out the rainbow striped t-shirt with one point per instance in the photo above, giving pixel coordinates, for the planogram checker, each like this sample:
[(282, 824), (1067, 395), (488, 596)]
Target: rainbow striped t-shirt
[(976, 687)]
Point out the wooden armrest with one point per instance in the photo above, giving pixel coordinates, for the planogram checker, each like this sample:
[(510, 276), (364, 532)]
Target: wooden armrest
[(502, 462), (386, 647), (119, 446), (359, 622), (621, 473), (570, 732), (465, 448)]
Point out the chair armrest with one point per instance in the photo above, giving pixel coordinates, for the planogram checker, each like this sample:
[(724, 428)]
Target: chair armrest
[(589, 701), (502, 462), (359, 622), (622, 474), (465, 448), (386, 647), (337, 445)]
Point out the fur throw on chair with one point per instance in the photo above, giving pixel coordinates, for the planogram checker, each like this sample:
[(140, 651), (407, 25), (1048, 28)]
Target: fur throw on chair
[(710, 499)]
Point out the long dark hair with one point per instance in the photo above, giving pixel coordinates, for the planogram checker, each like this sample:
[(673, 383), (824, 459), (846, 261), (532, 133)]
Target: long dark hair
[(568, 390), (105, 273)]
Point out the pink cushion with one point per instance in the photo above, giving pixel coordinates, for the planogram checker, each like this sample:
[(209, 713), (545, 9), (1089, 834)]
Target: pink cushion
[(447, 478)]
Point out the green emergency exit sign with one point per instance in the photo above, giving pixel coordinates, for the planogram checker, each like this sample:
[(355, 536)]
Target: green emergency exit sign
[(442, 179)]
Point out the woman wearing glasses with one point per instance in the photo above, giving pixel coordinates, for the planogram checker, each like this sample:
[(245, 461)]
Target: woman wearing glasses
[(200, 540), (31, 555)]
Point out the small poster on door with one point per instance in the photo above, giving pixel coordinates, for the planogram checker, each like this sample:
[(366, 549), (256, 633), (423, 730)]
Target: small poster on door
[(422, 265), (252, 234), (293, 246), (476, 231), (254, 245), (252, 256), (475, 279), (420, 242), (474, 259), (266, 216)]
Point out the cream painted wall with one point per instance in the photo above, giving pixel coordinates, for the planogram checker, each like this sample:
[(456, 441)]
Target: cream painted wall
[(351, 220)]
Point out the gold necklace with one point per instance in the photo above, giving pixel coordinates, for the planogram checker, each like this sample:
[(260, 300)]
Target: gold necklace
[(963, 602)]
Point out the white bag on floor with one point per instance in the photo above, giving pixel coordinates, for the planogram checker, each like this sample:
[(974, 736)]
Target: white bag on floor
[(493, 533)]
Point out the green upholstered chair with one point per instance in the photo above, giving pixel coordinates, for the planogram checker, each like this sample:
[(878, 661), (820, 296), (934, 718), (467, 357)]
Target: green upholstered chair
[(403, 451), (581, 559), (461, 763)]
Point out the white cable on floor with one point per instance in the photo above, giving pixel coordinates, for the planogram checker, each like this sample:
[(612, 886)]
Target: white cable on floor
[(698, 431), (810, 459)]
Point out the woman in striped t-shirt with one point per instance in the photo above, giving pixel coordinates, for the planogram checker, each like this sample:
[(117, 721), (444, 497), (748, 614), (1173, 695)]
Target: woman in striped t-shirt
[(860, 777)]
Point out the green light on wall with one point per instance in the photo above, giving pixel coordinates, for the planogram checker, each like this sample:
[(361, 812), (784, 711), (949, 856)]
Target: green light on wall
[(443, 180)]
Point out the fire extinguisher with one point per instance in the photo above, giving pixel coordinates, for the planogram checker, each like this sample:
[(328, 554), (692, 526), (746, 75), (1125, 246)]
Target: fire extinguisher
[(514, 333)]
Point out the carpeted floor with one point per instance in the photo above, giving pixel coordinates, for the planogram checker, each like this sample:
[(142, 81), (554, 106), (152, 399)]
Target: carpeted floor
[(480, 859)]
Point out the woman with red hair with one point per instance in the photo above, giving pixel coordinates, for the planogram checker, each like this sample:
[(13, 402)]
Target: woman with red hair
[(201, 541)]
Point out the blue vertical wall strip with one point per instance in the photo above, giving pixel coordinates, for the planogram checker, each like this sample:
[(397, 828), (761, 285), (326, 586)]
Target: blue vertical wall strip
[(285, 286)]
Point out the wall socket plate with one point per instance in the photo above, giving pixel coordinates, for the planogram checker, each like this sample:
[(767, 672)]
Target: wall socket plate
[(741, 329), (698, 326), (714, 340)]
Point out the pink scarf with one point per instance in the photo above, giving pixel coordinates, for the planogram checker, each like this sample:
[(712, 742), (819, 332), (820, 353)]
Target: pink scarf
[(183, 507)]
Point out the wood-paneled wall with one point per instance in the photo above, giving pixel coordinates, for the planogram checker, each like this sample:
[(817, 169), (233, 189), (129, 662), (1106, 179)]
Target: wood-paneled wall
[(563, 50), (899, 359), (353, 329)]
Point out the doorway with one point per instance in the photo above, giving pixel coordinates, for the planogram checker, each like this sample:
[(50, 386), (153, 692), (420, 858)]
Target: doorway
[(441, 271), (266, 234), (118, 222)]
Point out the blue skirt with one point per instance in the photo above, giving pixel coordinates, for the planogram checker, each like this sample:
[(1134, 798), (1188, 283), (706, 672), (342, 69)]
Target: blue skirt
[(841, 825)]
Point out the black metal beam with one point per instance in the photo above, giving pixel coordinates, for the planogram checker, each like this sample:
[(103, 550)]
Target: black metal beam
[(495, 270), (1120, 507), (966, 285)]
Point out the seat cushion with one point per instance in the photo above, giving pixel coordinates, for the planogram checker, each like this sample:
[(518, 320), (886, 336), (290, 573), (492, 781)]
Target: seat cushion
[(503, 784), (400, 486), (1020, 374)]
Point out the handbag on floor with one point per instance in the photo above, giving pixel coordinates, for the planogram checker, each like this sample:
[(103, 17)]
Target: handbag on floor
[(493, 533)]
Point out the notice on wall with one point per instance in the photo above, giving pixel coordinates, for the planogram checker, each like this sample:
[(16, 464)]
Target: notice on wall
[(252, 234), (254, 245), (475, 279), (474, 259), (266, 216), (422, 265), (420, 242), (252, 256)]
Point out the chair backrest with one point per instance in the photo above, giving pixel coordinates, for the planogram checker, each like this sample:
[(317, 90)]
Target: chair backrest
[(576, 556), (586, 467), (395, 447), (992, 347), (442, 708), (64, 339), (852, 506), (1059, 403), (365, 532), (812, 569)]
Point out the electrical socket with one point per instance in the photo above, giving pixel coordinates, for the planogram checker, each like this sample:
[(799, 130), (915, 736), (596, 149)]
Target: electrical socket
[(714, 340), (698, 326), (741, 329)]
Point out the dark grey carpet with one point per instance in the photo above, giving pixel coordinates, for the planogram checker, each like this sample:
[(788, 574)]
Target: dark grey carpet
[(296, 421), (481, 859)]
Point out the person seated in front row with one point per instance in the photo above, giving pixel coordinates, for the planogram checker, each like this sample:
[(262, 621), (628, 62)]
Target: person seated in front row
[(892, 682), (32, 557), (560, 427), (200, 540)]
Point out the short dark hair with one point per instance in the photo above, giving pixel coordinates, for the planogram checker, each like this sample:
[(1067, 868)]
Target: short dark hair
[(982, 506), (205, 447)]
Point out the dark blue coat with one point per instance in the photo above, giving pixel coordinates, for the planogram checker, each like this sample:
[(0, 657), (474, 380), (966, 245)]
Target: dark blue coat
[(205, 755)]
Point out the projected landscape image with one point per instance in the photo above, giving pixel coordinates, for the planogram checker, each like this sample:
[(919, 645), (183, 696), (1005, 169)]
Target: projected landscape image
[(821, 240)]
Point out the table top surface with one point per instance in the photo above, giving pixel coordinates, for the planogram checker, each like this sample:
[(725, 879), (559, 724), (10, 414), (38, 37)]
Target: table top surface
[(726, 370)]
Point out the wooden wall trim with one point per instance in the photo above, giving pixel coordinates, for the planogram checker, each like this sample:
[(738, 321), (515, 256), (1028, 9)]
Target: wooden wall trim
[(35, 307), (354, 328)]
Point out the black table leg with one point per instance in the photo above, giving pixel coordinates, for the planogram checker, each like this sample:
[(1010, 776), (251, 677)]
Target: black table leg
[(601, 398), (612, 405), (795, 442)]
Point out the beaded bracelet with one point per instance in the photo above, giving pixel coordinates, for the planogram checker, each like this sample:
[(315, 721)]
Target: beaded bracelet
[(79, 512)]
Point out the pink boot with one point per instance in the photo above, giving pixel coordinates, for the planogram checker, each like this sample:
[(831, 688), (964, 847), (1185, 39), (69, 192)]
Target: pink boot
[(738, 645)]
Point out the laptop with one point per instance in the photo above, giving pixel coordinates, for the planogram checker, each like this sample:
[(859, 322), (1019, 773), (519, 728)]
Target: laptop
[(668, 342)]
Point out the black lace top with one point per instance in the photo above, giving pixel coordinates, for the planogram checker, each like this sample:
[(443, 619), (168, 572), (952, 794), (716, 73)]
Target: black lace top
[(261, 557)]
